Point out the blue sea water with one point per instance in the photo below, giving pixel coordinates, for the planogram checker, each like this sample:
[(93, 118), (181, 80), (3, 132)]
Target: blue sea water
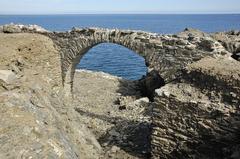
[(116, 59)]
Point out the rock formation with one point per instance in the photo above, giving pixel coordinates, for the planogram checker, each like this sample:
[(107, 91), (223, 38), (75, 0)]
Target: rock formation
[(197, 116), (164, 53), (34, 119), (195, 113)]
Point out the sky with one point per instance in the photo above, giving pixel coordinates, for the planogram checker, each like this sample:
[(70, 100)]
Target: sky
[(118, 6)]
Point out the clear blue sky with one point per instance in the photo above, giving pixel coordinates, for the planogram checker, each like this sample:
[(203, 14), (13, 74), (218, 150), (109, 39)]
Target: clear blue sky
[(118, 6)]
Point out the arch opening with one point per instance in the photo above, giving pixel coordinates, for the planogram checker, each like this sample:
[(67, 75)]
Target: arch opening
[(128, 64), (114, 59)]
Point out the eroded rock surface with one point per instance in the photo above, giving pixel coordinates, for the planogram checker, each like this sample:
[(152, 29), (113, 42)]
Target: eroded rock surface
[(195, 113), (231, 41), (198, 116)]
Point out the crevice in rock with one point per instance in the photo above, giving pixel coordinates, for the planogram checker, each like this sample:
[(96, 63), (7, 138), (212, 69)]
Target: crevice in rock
[(149, 83), (236, 56)]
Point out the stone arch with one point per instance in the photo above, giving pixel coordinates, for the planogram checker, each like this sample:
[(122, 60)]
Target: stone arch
[(74, 44), (166, 54), (70, 71)]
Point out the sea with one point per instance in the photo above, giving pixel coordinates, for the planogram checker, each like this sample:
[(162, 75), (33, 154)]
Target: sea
[(118, 60)]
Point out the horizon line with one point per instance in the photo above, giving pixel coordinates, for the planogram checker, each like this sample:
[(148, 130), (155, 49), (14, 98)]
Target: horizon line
[(122, 13)]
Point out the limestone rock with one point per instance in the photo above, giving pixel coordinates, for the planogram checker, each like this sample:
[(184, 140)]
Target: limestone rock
[(198, 110), (35, 120), (7, 76), (230, 40), (11, 28), (141, 102), (18, 28), (34, 28)]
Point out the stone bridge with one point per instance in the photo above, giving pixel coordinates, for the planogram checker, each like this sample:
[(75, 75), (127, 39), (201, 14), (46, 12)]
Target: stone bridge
[(166, 54)]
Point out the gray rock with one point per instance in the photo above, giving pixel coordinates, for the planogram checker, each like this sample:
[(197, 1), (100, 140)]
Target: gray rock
[(114, 133)]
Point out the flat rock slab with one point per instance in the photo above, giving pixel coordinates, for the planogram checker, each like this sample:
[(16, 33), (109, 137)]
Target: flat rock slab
[(7, 76)]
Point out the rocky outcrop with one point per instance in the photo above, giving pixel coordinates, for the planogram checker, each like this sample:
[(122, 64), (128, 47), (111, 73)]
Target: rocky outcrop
[(231, 41), (13, 28), (35, 121), (198, 115)]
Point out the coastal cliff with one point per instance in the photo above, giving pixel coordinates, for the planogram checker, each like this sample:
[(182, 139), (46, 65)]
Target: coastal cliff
[(191, 109)]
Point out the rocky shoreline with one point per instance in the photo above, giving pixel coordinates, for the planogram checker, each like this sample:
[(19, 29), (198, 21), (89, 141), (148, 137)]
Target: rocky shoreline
[(194, 115)]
